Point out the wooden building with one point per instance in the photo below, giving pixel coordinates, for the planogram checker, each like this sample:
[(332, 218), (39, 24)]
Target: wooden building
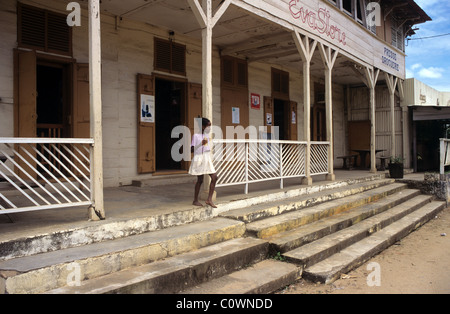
[(322, 70)]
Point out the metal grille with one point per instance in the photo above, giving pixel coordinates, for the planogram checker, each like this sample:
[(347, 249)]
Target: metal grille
[(242, 162), (39, 174)]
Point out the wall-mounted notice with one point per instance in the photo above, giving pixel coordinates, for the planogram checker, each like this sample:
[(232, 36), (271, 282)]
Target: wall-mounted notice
[(269, 119), (147, 109), (236, 116), (256, 101)]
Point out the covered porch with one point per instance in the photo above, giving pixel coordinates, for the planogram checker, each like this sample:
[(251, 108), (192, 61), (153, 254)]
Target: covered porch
[(242, 30)]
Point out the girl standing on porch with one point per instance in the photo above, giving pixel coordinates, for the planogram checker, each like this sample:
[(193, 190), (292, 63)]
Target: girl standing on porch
[(202, 163)]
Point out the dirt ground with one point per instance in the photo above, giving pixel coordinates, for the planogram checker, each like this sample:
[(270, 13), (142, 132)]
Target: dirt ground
[(418, 264)]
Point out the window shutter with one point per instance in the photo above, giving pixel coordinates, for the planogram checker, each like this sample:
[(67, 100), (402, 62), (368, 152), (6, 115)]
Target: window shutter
[(178, 59), (242, 74), (228, 71), (31, 27), (170, 57), (58, 33), (44, 30), (280, 83), (284, 88), (162, 55)]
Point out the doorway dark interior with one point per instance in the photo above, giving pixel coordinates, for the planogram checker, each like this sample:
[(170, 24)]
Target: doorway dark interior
[(170, 104), (280, 117), (428, 151), (50, 104)]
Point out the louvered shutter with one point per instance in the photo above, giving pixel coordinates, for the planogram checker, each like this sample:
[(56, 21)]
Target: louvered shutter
[(170, 57), (44, 30)]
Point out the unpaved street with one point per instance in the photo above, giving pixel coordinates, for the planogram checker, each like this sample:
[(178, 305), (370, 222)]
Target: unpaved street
[(420, 263)]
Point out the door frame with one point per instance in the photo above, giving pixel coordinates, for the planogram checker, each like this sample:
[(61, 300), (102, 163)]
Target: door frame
[(42, 58), (184, 116)]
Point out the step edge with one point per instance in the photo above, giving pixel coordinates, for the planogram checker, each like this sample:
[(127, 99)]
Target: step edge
[(334, 225), (119, 260), (256, 251), (264, 228), (419, 222), (348, 240), (274, 208)]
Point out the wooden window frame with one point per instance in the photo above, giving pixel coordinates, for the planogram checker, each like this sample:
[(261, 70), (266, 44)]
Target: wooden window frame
[(281, 93), (235, 72)]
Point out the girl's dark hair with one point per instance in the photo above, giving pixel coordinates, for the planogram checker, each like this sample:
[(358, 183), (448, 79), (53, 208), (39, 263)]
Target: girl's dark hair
[(205, 122)]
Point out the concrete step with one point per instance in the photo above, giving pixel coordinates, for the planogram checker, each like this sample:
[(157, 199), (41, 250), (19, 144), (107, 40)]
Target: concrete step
[(323, 248), (270, 209), (159, 180), (177, 273), (274, 225), (262, 278), (42, 272), (330, 269), (298, 237), (48, 240)]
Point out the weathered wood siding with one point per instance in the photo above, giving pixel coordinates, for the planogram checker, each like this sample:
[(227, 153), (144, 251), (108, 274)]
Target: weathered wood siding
[(359, 111)]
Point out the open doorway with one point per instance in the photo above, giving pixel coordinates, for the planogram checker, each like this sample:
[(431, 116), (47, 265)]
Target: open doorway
[(170, 109), (281, 116), (52, 106)]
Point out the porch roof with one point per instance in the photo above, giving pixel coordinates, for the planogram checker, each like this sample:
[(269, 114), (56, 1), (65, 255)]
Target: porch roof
[(255, 36)]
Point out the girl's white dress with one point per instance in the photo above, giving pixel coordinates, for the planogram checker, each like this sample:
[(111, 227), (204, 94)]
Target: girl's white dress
[(202, 162)]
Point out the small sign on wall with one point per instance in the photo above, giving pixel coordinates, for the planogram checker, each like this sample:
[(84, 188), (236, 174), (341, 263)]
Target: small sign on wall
[(236, 116), (147, 109), (256, 101)]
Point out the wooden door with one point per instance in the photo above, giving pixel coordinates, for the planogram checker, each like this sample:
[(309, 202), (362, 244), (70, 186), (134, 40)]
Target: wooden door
[(195, 106), (81, 102), (25, 108), (26, 94), (146, 126), (318, 123), (194, 111), (235, 108)]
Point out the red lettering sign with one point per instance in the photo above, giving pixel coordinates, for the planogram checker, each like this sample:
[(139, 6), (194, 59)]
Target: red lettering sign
[(319, 21)]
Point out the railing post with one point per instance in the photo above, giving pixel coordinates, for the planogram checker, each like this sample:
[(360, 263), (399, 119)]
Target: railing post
[(443, 151), (281, 165), (246, 167)]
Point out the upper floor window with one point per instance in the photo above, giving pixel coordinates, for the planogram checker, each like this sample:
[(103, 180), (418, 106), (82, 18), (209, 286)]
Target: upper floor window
[(43, 30), (398, 39), (170, 57)]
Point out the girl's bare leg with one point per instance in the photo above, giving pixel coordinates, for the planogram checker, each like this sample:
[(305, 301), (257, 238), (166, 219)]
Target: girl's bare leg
[(212, 188), (198, 185)]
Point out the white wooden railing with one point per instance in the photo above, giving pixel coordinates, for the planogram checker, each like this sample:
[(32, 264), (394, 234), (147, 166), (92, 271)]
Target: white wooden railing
[(44, 173), (445, 154), (242, 162)]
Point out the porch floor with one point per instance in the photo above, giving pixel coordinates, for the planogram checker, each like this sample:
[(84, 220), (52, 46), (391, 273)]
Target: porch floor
[(130, 202)]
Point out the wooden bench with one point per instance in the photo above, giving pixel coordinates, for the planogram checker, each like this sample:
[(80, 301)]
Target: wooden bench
[(383, 162), (349, 161)]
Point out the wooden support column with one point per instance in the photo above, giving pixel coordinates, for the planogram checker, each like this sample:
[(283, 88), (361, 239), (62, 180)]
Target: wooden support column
[(406, 125), (371, 78), (306, 47), (97, 210), (329, 59), (204, 15), (391, 83)]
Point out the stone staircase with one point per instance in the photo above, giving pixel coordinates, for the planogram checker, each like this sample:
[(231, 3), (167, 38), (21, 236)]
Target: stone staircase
[(321, 235)]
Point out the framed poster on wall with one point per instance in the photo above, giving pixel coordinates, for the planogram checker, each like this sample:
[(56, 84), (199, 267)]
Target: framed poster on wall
[(256, 101), (147, 108)]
